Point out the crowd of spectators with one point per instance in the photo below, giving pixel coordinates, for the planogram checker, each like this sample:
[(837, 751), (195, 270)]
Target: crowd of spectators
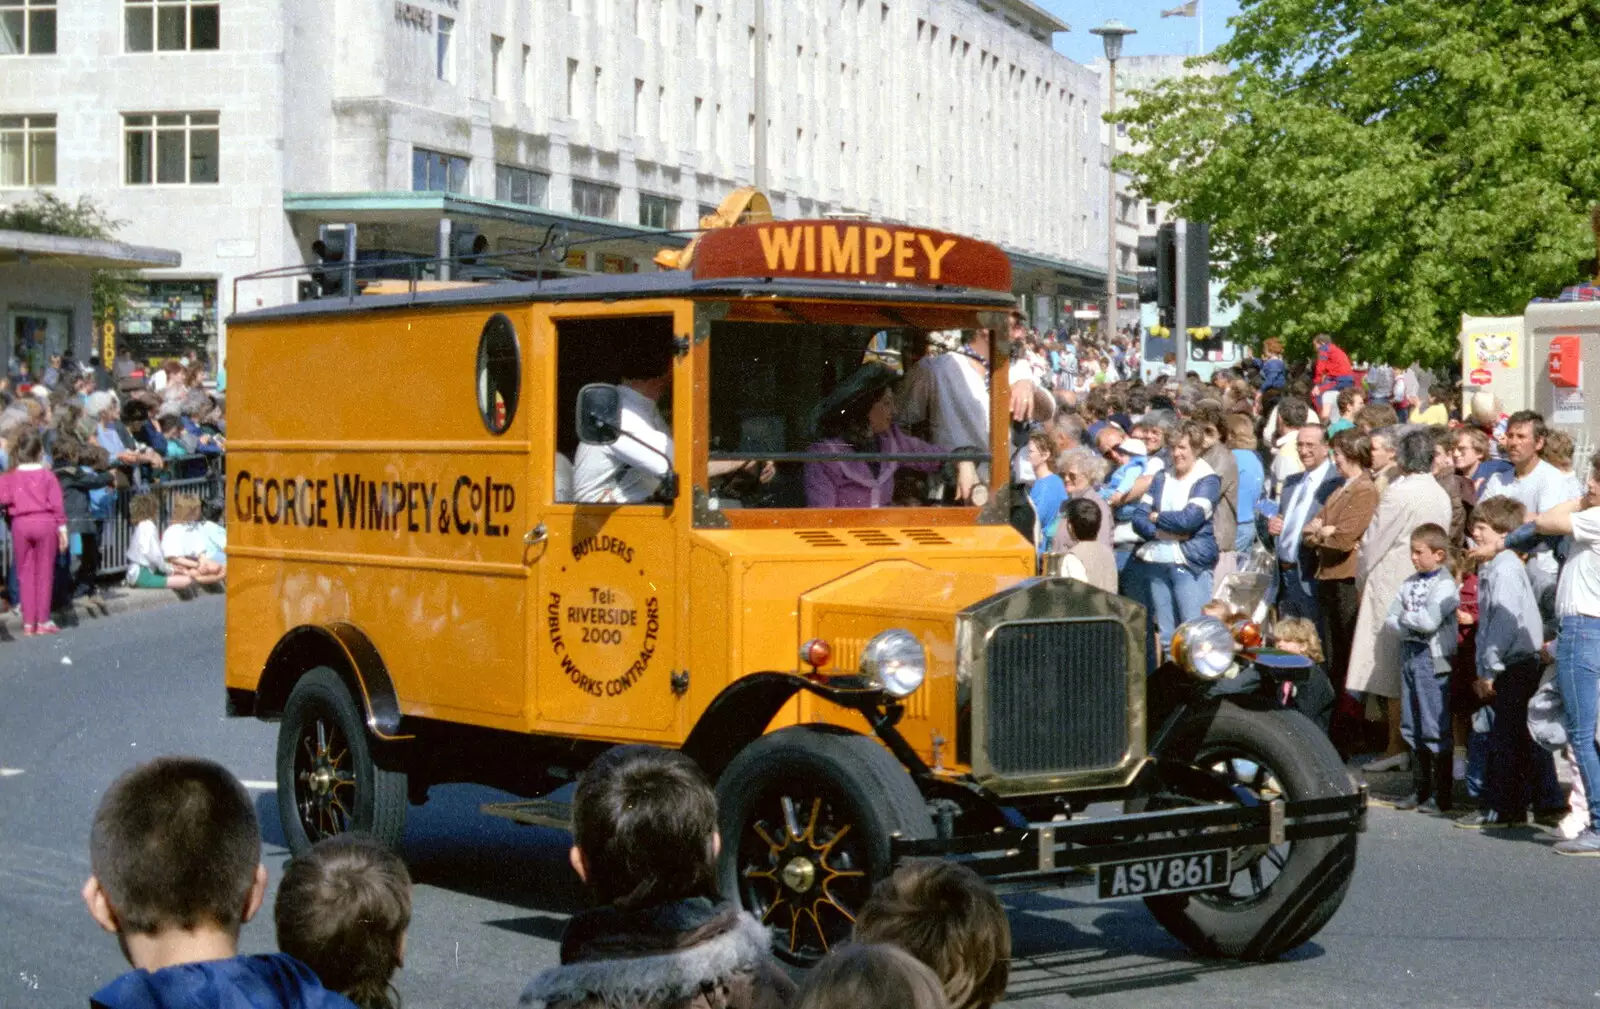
[(1436, 555), (82, 447)]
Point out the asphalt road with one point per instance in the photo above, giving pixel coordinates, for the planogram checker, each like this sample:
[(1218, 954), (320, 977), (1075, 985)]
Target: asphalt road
[(1437, 917)]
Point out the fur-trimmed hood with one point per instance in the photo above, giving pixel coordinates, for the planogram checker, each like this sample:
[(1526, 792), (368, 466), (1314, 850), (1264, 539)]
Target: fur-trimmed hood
[(691, 954)]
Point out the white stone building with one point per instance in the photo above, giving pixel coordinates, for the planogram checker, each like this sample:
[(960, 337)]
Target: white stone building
[(232, 129)]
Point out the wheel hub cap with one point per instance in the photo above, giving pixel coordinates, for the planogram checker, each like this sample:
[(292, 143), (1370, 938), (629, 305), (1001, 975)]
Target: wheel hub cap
[(799, 874)]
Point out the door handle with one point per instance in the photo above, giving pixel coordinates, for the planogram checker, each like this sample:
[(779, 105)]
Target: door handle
[(537, 535)]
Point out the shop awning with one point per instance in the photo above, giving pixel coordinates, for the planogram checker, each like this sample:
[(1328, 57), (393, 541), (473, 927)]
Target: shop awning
[(25, 248)]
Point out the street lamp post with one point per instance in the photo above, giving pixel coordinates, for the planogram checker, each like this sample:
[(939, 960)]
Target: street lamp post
[(1112, 34)]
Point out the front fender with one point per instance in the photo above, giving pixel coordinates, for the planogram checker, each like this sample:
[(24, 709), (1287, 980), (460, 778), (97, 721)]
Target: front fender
[(741, 713)]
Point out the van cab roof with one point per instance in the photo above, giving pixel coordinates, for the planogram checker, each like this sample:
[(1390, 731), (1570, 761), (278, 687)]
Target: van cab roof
[(624, 286)]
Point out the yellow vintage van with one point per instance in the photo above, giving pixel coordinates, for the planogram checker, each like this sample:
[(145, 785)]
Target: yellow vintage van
[(482, 533)]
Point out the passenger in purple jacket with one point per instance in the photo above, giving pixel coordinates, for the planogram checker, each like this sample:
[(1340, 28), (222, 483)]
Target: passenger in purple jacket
[(858, 417)]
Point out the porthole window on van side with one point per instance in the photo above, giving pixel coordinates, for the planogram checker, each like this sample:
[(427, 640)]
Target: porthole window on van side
[(499, 373)]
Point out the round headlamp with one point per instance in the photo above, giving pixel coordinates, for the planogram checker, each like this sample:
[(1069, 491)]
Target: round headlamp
[(895, 662), (1204, 648)]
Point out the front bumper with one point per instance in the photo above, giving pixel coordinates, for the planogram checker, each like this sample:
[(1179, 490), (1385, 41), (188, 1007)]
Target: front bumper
[(1041, 851)]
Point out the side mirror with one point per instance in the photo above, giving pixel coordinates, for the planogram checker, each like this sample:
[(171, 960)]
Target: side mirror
[(599, 414)]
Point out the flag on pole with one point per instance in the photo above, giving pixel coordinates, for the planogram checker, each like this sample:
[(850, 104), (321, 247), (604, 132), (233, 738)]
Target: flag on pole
[(1187, 10)]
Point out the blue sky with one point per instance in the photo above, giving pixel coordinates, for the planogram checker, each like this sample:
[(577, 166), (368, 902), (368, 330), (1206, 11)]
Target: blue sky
[(1157, 35)]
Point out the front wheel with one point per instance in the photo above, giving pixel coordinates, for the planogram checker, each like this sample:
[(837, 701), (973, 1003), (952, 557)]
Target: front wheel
[(1279, 895), (328, 782), (806, 816)]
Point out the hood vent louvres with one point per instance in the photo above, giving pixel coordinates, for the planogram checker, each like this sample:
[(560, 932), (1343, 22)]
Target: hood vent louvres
[(874, 538), (926, 538), (819, 538)]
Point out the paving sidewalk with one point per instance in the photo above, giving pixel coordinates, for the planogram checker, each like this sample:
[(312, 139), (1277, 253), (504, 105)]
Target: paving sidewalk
[(112, 600)]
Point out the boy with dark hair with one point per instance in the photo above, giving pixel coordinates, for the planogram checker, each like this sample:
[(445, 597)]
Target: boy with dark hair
[(176, 856), (645, 841), (945, 915), (1424, 616), (1510, 635)]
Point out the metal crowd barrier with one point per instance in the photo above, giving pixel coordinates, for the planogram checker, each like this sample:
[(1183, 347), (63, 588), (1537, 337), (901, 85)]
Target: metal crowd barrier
[(116, 532)]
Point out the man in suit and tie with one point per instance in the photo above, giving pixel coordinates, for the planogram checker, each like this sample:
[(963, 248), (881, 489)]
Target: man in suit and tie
[(1304, 494)]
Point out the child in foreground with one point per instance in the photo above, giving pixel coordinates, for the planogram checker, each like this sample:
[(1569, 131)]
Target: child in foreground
[(1424, 615), (644, 833), (859, 977), (946, 916), (176, 856), (343, 909)]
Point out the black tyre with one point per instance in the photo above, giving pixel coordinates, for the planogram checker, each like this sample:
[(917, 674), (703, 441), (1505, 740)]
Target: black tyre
[(328, 782), (806, 819), (1279, 896)]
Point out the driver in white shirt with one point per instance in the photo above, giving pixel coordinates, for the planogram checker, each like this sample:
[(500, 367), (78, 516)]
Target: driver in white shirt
[(631, 468)]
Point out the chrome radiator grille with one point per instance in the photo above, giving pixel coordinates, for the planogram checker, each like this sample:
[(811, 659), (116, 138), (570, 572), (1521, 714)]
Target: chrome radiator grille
[(1057, 696)]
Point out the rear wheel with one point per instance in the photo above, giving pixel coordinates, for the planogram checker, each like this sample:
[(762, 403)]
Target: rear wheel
[(1279, 896), (806, 816), (328, 782)]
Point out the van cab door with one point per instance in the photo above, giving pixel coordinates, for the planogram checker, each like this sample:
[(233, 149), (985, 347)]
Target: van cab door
[(607, 628)]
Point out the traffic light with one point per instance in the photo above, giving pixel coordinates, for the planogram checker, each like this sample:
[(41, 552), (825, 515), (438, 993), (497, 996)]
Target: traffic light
[(1197, 275), (335, 249), (1158, 253)]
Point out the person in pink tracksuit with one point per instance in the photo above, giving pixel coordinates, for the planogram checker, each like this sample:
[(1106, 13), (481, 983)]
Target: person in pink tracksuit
[(31, 496)]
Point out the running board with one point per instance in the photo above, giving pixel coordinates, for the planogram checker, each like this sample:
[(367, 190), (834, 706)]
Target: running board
[(533, 812)]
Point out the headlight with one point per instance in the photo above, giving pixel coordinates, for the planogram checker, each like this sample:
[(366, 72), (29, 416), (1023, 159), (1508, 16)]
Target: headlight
[(1204, 648), (895, 661)]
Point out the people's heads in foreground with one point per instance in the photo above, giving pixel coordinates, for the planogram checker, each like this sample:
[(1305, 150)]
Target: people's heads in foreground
[(343, 909), (856, 977), (943, 914), (175, 857), (644, 828)]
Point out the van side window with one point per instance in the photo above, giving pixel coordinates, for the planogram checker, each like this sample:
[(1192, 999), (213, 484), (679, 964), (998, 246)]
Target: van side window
[(635, 354), (499, 376)]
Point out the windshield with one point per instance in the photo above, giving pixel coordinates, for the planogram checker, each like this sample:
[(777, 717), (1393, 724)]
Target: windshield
[(820, 416)]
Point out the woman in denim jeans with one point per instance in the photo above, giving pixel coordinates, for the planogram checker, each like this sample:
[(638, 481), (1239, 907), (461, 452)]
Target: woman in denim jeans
[(1578, 644), (1179, 552)]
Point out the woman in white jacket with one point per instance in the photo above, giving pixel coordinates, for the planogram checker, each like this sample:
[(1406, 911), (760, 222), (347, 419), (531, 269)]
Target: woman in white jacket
[(1384, 562)]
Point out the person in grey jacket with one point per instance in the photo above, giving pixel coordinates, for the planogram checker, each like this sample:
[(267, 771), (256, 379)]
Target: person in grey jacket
[(1510, 635), (1424, 615)]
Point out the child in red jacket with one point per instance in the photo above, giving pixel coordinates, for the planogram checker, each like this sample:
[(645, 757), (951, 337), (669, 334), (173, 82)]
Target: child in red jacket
[(31, 496)]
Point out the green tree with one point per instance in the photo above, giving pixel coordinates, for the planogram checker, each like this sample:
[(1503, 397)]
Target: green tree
[(1374, 168), (48, 214)]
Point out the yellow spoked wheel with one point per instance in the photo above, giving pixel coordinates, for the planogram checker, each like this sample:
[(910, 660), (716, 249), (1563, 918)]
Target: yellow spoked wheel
[(803, 873), (328, 780), (806, 818)]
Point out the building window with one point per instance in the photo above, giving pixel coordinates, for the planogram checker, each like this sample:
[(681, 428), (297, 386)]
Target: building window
[(446, 68), (437, 172), (600, 107), (592, 199), (702, 126), (657, 212), (638, 107), (518, 185), (27, 151), (527, 75), (171, 25), (1150, 214), (171, 148), (572, 89), (27, 27), (497, 66)]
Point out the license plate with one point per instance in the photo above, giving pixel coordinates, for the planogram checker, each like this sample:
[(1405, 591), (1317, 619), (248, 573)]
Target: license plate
[(1145, 877)]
